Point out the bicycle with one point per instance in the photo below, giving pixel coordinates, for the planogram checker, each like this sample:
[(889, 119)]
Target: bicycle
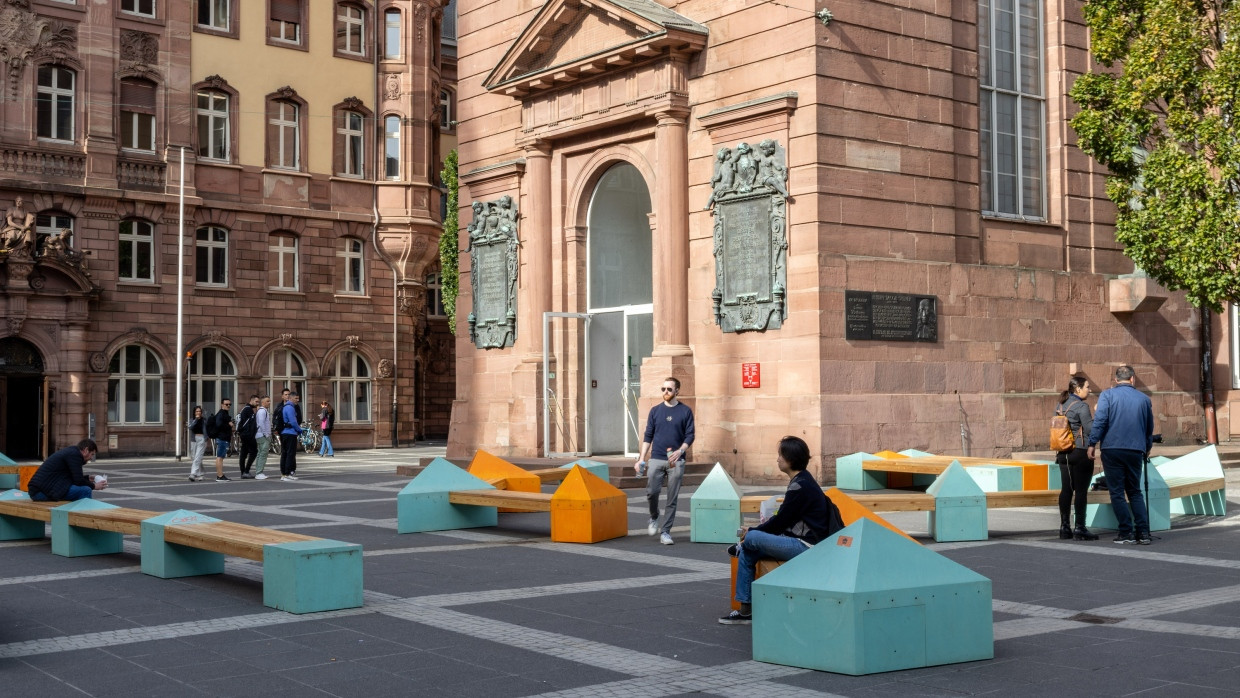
[(310, 437)]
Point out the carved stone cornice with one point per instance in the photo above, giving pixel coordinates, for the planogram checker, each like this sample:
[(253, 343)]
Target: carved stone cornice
[(25, 35)]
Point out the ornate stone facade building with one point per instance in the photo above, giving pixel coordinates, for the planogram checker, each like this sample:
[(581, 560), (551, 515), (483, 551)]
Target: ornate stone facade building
[(866, 225), (308, 134)]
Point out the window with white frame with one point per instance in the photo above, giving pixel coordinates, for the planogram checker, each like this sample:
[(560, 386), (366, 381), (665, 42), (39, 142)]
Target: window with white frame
[(48, 224), (1012, 110), (351, 135), (137, 251), (352, 267), (351, 30), (391, 147), (137, 110), (135, 387), (286, 129), (282, 262), (212, 379), (213, 14), (285, 369), (391, 34), (211, 256), (213, 127), (285, 18), (350, 379), (434, 296), (446, 121), (54, 103), (144, 8)]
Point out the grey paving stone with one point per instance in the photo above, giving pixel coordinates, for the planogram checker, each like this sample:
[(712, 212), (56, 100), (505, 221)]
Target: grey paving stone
[(267, 685)]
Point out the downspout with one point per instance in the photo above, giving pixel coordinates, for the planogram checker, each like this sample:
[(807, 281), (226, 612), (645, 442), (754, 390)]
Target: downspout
[(1207, 375)]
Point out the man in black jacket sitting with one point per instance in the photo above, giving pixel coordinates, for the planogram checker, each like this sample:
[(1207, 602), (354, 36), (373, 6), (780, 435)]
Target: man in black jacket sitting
[(805, 517), (60, 478)]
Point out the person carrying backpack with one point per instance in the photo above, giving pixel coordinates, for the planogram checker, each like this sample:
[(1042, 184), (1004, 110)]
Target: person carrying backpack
[(247, 429), (1076, 468)]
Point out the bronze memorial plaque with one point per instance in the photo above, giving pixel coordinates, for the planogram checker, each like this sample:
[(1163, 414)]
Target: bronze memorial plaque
[(892, 317), (493, 273), (747, 247)]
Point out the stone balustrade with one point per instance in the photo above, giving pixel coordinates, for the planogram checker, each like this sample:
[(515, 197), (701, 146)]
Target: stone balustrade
[(41, 164), (140, 175)]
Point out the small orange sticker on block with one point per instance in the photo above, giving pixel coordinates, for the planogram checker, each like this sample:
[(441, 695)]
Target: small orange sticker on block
[(844, 541)]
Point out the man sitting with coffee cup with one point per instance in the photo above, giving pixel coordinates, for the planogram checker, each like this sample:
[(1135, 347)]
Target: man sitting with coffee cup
[(60, 478)]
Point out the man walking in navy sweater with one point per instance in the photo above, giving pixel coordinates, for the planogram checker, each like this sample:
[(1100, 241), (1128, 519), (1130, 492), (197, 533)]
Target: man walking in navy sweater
[(669, 433), (1124, 427)]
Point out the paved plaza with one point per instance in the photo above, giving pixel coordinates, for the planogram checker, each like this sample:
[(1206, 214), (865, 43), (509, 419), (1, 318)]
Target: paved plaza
[(505, 612)]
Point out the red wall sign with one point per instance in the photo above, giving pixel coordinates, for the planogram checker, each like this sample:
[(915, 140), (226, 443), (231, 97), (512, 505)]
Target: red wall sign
[(751, 375)]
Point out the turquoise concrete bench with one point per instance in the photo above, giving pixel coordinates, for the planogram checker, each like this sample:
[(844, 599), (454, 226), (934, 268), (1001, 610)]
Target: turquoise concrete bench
[(867, 600)]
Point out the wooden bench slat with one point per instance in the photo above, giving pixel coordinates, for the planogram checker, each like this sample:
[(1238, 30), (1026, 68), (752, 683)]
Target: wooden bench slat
[(1188, 486), (551, 474), (528, 501), (899, 466), (26, 509), (237, 540), (122, 520)]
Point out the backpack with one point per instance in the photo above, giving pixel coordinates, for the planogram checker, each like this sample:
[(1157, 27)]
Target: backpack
[(277, 419), (209, 427), (1062, 438), (248, 427)]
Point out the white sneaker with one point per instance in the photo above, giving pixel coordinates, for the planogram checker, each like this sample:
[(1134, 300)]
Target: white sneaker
[(666, 540), (284, 478), (289, 477), (260, 476), (653, 527)]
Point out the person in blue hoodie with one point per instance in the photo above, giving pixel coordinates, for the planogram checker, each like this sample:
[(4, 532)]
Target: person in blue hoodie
[(1124, 428), (288, 438)]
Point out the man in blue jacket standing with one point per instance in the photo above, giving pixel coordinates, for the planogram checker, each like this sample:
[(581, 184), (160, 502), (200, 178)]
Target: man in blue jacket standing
[(288, 438), (1124, 427)]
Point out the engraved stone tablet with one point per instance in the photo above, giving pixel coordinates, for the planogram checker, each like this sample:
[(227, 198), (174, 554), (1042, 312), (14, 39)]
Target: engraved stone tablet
[(749, 198), (493, 273), (891, 317)]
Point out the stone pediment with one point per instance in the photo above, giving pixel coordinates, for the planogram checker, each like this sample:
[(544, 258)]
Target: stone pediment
[(572, 40)]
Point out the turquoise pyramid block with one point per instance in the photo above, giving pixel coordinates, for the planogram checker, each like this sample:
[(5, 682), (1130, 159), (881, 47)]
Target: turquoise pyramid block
[(308, 576), (850, 476), (867, 600), (169, 560), (715, 508), (5, 460), (959, 507), (1200, 464), (71, 541), (423, 504), (1158, 497), (16, 527), (596, 468), (1159, 460)]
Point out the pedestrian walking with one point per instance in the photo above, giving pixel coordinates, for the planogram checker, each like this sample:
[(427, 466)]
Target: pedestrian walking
[(223, 436), (262, 435), (247, 429), (669, 433), (197, 443), (327, 420)]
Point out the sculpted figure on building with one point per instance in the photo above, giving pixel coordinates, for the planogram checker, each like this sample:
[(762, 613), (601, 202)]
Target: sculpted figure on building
[(492, 251)]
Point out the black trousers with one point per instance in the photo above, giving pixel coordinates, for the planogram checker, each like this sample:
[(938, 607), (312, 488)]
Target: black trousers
[(247, 453), (1076, 471), (288, 454)]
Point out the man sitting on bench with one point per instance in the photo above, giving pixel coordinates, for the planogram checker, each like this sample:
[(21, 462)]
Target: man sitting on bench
[(805, 517), (60, 478)]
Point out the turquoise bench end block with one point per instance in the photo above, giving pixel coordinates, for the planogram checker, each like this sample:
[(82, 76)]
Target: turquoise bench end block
[(1202, 463), (423, 504), (1206, 504), (169, 560), (5, 460), (850, 476), (715, 508), (9, 481), (1054, 478), (312, 575), (15, 527), (1158, 497), (997, 478), (959, 507), (868, 600), (71, 541), (599, 470)]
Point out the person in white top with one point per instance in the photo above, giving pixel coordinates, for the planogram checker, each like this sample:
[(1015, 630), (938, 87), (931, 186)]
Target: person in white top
[(263, 419)]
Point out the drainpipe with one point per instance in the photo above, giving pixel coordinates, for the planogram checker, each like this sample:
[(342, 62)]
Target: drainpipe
[(1207, 375)]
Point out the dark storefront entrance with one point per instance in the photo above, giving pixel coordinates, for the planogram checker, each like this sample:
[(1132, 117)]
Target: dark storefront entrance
[(22, 401)]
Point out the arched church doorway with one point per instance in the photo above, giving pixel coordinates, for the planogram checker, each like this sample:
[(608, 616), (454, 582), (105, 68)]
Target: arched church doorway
[(619, 301), (24, 432)]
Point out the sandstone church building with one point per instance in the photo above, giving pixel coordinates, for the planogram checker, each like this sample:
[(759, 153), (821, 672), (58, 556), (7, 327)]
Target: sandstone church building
[(863, 222)]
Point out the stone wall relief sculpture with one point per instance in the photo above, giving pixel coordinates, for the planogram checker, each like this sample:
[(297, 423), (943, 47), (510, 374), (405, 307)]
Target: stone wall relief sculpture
[(749, 197), (25, 35), (492, 252)]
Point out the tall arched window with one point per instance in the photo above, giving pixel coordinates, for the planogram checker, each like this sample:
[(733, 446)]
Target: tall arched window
[(211, 256), (391, 147), (285, 369), (54, 110), (135, 387), (214, 136), (391, 34), (350, 378), (212, 378)]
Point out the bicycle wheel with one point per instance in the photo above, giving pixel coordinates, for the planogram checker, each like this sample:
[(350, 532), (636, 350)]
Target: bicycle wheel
[(275, 444), (234, 444)]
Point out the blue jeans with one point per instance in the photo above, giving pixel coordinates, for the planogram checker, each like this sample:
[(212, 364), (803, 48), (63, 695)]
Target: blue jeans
[(756, 546), (326, 448), (76, 492), (1123, 470)]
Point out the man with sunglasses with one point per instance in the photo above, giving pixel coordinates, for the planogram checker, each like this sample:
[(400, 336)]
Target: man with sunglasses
[(223, 436), (669, 433)]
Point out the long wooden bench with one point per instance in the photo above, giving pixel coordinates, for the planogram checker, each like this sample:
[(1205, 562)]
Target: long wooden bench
[(508, 499)]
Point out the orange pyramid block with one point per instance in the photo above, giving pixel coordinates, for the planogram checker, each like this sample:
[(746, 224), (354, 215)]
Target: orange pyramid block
[(503, 475), (852, 511), (588, 509), (896, 480)]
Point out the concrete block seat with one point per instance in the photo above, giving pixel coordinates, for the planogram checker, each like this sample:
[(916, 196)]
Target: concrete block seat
[(14, 476), (584, 508), (866, 471)]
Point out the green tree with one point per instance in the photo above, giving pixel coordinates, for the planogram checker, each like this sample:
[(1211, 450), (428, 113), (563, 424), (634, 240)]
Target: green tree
[(449, 251), (1160, 114)]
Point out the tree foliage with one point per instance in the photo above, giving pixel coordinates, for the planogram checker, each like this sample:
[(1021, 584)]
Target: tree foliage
[(1160, 113), (449, 250)]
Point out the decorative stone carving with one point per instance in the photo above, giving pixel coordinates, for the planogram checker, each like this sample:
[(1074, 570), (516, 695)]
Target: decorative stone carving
[(286, 339), (25, 35), (419, 21), (98, 362), (139, 48), (391, 87), (352, 103), (14, 324), (17, 231), (492, 252), (385, 368), (37, 281), (749, 196), (215, 82), (214, 336), (286, 92), (353, 341), (60, 247)]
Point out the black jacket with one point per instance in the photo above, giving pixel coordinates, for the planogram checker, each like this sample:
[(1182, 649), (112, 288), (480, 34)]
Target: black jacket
[(222, 428), (330, 418), (247, 423), (62, 469), (806, 512)]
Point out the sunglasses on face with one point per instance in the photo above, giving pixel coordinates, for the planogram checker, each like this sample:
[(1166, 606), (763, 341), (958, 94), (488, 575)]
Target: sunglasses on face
[(668, 390)]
